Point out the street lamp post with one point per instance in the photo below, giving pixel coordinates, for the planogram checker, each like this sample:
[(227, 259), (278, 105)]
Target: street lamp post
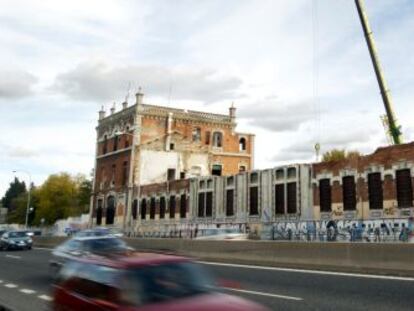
[(28, 195)]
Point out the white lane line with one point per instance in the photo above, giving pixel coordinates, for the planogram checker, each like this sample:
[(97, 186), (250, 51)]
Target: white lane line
[(1, 281), (264, 294), (27, 291), (13, 256), (10, 285), (45, 297), (321, 272), (43, 248)]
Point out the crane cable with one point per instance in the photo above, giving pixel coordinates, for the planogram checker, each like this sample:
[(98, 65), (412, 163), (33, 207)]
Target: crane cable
[(315, 73)]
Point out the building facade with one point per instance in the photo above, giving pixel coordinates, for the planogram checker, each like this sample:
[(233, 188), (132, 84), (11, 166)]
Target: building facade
[(145, 144), (366, 192)]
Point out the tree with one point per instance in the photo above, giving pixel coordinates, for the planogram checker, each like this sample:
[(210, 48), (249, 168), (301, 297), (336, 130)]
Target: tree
[(16, 188), (61, 196), (339, 154)]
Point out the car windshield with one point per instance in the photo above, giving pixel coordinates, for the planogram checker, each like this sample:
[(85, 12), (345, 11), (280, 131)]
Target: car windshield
[(17, 234), (104, 245), (167, 281)]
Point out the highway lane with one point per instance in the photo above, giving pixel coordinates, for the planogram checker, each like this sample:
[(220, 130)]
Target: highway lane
[(279, 289)]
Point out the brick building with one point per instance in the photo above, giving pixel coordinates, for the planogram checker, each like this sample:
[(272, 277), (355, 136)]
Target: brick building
[(379, 185), (145, 144)]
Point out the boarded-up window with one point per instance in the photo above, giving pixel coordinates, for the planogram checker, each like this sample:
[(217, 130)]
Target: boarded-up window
[(349, 193), (209, 204), (134, 209), (105, 145), (116, 139), (325, 195), (152, 208), (375, 191), (404, 188), (162, 207), (230, 202), (254, 203), (208, 134), (291, 198), (201, 204), (183, 206), (171, 174), (125, 173), (172, 206), (280, 199), (143, 208)]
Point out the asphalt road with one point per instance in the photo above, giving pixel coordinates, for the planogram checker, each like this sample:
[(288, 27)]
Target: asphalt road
[(25, 285)]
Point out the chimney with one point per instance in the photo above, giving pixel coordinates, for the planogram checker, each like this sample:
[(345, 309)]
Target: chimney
[(232, 112), (139, 96), (102, 113), (113, 108), (124, 105)]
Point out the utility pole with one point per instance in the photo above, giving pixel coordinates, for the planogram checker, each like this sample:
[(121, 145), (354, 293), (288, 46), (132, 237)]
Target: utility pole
[(385, 93)]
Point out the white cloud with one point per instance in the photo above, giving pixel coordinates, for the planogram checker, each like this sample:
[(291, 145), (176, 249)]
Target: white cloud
[(71, 56), (16, 84), (100, 82)]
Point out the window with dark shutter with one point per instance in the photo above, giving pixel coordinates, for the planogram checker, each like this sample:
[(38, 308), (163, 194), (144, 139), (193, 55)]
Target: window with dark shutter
[(404, 188), (230, 202), (349, 193), (291, 198), (152, 208), (162, 207), (183, 206), (375, 191), (254, 204), (143, 208), (201, 204), (125, 173), (280, 199), (209, 204), (134, 209), (325, 195), (171, 174), (172, 207), (116, 138)]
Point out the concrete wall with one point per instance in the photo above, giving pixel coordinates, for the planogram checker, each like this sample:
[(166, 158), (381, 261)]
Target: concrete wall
[(395, 259)]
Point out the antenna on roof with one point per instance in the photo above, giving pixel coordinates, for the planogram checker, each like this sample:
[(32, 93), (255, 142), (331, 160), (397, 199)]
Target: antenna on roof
[(170, 91), (128, 91)]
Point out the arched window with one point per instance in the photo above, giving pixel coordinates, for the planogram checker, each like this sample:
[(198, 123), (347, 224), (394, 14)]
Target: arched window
[(217, 139), (143, 208), (183, 206), (134, 209), (116, 138), (99, 213), (110, 210), (242, 144), (105, 145), (196, 134)]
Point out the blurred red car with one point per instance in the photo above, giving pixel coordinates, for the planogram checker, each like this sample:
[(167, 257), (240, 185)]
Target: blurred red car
[(141, 281)]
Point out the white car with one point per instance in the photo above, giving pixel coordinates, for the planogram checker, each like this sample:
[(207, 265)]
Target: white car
[(221, 234)]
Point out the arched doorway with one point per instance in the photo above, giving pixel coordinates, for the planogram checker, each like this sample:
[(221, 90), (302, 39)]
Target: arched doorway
[(110, 210), (99, 213)]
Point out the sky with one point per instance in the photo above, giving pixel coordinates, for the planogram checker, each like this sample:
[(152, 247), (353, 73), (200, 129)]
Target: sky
[(298, 72)]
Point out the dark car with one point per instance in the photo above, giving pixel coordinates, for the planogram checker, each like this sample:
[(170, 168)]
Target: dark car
[(83, 246), (15, 240), (141, 281)]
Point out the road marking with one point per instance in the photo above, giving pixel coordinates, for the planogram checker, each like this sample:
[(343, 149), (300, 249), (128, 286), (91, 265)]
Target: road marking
[(13, 256), (10, 285), (45, 297), (264, 294), (27, 291), (1, 281), (321, 272), (43, 248)]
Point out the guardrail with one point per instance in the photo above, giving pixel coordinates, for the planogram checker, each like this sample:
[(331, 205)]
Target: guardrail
[(378, 258)]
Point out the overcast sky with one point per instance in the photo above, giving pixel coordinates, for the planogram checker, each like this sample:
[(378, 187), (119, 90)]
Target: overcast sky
[(61, 60)]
